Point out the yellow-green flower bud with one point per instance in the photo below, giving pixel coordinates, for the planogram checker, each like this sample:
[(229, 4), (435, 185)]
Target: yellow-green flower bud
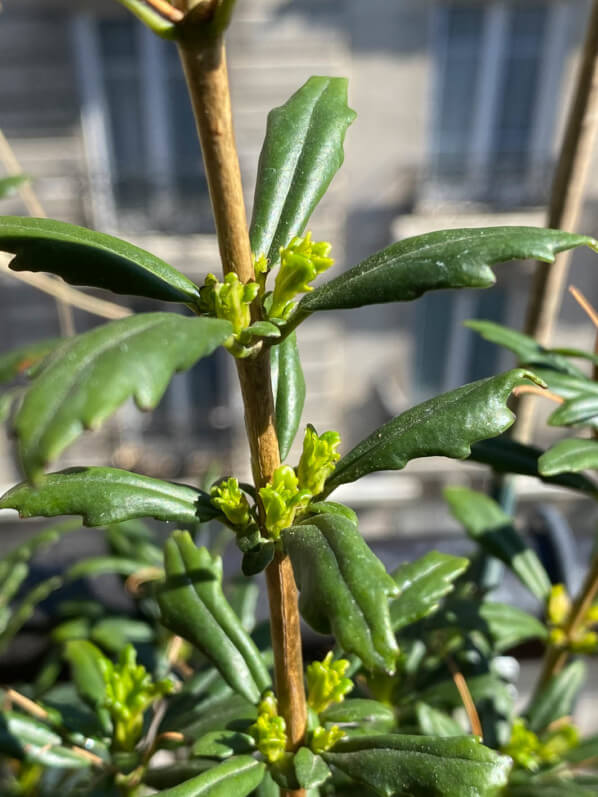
[(326, 683), (269, 730), (282, 498), (300, 263), (230, 300), (323, 739), (557, 637), (586, 643), (231, 501), (559, 605), (318, 459), (524, 747), (558, 743)]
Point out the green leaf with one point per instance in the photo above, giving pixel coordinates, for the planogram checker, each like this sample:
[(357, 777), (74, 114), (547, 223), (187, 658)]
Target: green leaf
[(443, 259), (310, 770), (19, 360), (84, 658), (436, 723), (505, 625), (100, 565), (91, 375), (194, 607), (508, 456), (569, 456), (527, 351), (344, 588), (493, 530), (223, 744), (27, 739), (10, 185), (288, 385), (302, 152), (113, 633), (446, 426), (86, 257), (579, 411), (367, 716), (106, 495), (557, 698), (422, 585), (238, 776), (196, 718), (419, 766)]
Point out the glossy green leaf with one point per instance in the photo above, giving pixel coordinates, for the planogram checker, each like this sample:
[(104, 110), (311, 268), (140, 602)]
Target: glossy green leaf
[(579, 411), (223, 744), (359, 714), (422, 585), (288, 386), (19, 360), (10, 185), (436, 723), (493, 530), (569, 456), (311, 770), (507, 456), (193, 606), (94, 373), (557, 698), (238, 776), (106, 495), (443, 259), (84, 658), (420, 766), (525, 348), (446, 426), (332, 508), (568, 386), (85, 257), (302, 152), (195, 718), (30, 740), (344, 588)]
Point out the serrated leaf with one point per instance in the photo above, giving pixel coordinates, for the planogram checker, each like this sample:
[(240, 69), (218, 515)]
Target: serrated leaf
[(446, 425), (193, 606), (311, 770), (18, 361), (30, 740), (493, 530), (288, 386), (302, 152), (344, 588), (92, 374), (557, 698), (238, 776), (437, 260), (569, 456), (525, 348), (436, 723), (107, 495), (422, 585), (85, 257), (10, 185), (419, 766), (507, 456)]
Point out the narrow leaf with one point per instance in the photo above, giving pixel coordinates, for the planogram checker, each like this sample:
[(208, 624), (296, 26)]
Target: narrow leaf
[(311, 770), (27, 739), (302, 152), (436, 723), (557, 698), (493, 530), (107, 495), (10, 185), (344, 588), (569, 456), (443, 259), (84, 659), (504, 625), (446, 426), (18, 361), (508, 456), (579, 411), (527, 351), (422, 585), (359, 714), (239, 777), (193, 605), (288, 385), (223, 744), (96, 372), (420, 766), (86, 257)]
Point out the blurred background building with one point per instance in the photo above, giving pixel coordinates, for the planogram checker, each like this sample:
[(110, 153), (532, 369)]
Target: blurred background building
[(460, 109)]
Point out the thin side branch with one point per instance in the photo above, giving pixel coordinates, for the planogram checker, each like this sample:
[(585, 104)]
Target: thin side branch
[(166, 9), (584, 304), (466, 699)]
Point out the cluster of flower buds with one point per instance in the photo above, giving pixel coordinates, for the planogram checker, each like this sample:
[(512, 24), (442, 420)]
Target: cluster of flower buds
[(300, 263), (530, 751), (230, 300), (269, 730), (582, 638)]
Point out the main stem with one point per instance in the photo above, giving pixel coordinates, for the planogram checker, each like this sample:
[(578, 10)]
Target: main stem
[(204, 62)]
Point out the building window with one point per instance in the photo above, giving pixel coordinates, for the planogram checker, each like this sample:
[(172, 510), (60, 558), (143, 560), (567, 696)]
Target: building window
[(498, 69), (141, 130)]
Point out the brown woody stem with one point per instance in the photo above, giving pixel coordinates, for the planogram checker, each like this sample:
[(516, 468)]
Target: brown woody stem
[(204, 62)]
